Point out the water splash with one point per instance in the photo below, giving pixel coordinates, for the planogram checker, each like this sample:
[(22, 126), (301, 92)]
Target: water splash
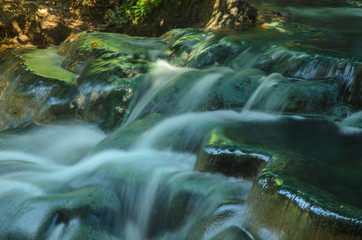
[(57, 233), (352, 124)]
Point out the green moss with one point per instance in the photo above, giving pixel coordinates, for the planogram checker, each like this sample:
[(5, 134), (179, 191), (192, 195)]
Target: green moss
[(47, 63), (200, 49)]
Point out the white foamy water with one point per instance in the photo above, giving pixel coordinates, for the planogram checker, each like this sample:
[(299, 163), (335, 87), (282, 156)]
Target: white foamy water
[(128, 185), (62, 144)]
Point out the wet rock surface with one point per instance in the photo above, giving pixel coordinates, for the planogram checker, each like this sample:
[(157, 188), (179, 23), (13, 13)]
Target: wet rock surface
[(308, 63), (231, 160)]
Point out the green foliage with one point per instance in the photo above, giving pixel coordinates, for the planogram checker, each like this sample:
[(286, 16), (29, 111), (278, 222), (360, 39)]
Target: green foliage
[(137, 10), (114, 17), (121, 11)]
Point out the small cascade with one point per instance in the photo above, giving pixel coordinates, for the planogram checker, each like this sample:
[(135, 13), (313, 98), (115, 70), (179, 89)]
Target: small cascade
[(57, 233), (259, 138), (192, 127), (162, 74), (50, 142), (195, 96), (266, 83), (138, 194)]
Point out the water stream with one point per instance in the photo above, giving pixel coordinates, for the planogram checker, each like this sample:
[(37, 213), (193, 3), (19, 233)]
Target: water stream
[(71, 180)]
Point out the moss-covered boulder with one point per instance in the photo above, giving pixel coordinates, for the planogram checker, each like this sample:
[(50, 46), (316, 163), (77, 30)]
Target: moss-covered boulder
[(108, 49), (27, 96), (308, 97), (299, 61), (95, 81), (196, 48)]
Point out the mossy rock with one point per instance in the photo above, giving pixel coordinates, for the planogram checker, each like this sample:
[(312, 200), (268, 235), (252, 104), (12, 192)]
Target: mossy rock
[(298, 213), (300, 61), (309, 97), (199, 49), (29, 97), (231, 160), (84, 48), (108, 80)]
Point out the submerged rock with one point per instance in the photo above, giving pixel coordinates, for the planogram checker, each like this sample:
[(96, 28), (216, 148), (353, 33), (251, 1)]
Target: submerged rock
[(312, 97), (232, 233)]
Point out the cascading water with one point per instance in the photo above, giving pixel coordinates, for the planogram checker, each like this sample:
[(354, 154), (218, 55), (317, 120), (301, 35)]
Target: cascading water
[(243, 148), (136, 193), (266, 84), (163, 74)]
